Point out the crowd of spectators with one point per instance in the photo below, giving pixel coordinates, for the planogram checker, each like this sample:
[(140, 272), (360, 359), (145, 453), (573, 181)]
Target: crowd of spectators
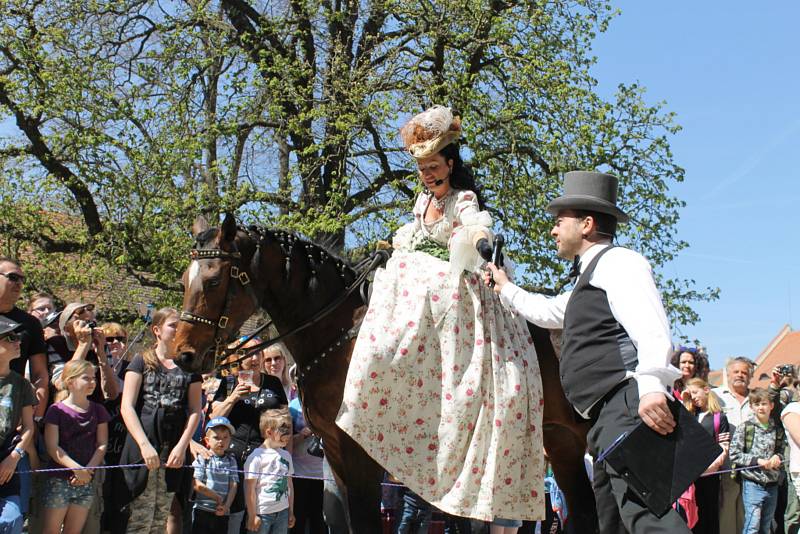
[(73, 396)]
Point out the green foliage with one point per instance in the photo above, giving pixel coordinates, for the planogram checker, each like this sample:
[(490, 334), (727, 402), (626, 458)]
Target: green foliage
[(131, 116)]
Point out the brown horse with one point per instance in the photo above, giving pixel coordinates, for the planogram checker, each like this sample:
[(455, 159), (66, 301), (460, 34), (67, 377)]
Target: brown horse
[(311, 296)]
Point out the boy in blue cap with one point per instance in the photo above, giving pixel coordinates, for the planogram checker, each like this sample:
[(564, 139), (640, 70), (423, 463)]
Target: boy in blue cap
[(215, 480)]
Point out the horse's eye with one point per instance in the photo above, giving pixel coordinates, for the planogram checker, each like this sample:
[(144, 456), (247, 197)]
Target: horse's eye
[(212, 282)]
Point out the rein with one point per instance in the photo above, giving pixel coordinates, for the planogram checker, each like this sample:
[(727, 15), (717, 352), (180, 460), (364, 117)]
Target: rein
[(376, 259), (366, 266)]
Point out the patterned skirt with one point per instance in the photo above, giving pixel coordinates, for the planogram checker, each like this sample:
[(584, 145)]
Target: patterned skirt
[(444, 391)]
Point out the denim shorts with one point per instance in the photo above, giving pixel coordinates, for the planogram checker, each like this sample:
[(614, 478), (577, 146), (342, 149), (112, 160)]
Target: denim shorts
[(60, 494), (499, 522)]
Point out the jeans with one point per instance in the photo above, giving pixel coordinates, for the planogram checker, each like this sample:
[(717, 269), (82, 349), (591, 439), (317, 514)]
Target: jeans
[(759, 506), (10, 515), (276, 523), (416, 514)]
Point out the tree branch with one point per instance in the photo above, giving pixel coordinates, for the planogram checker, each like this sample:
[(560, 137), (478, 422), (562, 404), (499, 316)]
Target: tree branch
[(40, 150)]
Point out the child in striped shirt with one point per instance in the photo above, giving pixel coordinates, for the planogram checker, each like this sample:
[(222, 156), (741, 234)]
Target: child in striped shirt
[(215, 480)]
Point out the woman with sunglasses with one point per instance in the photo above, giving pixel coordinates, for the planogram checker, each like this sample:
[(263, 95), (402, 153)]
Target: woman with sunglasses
[(117, 348), (16, 407), (242, 397), (275, 364)]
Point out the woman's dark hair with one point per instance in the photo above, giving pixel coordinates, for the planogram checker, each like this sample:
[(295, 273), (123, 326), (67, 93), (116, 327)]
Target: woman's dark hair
[(461, 176), (700, 364)]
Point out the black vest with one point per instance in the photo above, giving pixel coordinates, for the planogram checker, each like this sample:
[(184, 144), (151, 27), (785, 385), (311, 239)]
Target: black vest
[(596, 351)]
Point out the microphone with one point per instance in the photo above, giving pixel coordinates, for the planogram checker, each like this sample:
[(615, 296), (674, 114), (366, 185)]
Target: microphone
[(437, 183)]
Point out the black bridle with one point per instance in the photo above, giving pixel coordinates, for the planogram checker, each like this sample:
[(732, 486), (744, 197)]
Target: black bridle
[(368, 265)]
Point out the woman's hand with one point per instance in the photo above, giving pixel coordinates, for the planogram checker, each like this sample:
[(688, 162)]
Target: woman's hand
[(196, 449), (81, 477), (7, 468), (291, 520), (241, 391), (176, 457), (150, 456)]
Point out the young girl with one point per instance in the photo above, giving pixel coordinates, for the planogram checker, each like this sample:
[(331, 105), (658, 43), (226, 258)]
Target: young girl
[(76, 435), (699, 400), (161, 409)]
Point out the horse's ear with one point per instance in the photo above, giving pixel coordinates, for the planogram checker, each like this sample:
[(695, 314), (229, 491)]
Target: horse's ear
[(229, 227), (200, 225)]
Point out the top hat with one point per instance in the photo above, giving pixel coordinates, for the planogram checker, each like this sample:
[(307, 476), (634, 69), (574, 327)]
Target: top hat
[(589, 191), (7, 325)]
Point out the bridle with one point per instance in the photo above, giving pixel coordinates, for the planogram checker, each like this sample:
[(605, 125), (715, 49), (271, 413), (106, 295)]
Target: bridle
[(376, 259), (220, 325)]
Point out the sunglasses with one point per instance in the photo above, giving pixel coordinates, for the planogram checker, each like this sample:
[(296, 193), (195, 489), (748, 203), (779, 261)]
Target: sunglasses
[(14, 278), (120, 339), (88, 307), (285, 430), (273, 359), (690, 350), (11, 337)]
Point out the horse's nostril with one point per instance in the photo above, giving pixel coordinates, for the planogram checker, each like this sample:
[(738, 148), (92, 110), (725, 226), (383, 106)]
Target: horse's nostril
[(186, 358)]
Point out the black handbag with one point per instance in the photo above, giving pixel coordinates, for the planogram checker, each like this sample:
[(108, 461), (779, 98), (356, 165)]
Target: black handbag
[(315, 447)]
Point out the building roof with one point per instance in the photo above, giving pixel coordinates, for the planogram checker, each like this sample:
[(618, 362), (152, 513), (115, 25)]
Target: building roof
[(784, 348)]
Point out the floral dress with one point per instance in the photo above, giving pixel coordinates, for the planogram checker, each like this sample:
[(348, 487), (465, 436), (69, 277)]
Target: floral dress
[(444, 389)]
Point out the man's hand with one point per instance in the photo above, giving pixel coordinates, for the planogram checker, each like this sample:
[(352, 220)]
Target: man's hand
[(291, 519), (655, 413), (83, 332), (498, 275)]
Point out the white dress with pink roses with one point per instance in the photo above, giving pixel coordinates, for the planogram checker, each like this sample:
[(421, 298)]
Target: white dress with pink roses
[(443, 388)]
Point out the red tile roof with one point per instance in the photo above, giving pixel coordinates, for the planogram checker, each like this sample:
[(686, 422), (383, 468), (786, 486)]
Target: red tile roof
[(783, 349)]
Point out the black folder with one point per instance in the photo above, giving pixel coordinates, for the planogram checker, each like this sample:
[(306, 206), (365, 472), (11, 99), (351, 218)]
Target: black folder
[(658, 469)]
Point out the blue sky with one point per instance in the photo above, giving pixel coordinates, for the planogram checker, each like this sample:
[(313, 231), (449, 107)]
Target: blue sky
[(731, 72)]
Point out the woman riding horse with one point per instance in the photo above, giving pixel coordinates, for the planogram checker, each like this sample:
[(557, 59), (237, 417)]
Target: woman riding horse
[(444, 389)]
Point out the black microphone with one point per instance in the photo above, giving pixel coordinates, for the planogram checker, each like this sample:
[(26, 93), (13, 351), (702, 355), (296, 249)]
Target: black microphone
[(438, 182)]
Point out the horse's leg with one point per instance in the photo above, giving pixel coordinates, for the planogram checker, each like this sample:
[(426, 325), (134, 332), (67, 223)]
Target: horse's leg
[(360, 477), (564, 440)]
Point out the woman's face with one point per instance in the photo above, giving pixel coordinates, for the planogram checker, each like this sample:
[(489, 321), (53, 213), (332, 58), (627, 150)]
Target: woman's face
[(435, 169), (254, 361), (41, 307), (699, 397), (274, 362), (686, 365), (117, 344), (165, 334)]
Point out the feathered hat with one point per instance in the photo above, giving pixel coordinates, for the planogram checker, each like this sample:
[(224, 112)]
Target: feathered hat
[(430, 131)]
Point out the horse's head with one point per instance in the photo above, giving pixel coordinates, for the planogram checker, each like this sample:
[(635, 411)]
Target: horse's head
[(218, 296)]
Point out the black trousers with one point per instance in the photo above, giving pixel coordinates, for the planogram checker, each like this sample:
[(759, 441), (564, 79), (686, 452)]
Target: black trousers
[(206, 522), (619, 510)]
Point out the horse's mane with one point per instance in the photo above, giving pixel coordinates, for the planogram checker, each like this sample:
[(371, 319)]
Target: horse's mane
[(316, 251)]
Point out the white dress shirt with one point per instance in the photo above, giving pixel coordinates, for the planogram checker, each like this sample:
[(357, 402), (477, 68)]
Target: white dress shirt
[(627, 279)]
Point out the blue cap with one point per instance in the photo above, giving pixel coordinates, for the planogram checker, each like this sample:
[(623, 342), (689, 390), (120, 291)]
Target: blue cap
[(220, 421)]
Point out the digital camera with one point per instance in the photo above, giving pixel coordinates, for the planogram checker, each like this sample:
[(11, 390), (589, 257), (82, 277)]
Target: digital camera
[(786, 369)]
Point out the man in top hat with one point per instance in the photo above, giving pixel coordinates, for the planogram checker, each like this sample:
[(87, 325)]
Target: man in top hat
[(616, 343)]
